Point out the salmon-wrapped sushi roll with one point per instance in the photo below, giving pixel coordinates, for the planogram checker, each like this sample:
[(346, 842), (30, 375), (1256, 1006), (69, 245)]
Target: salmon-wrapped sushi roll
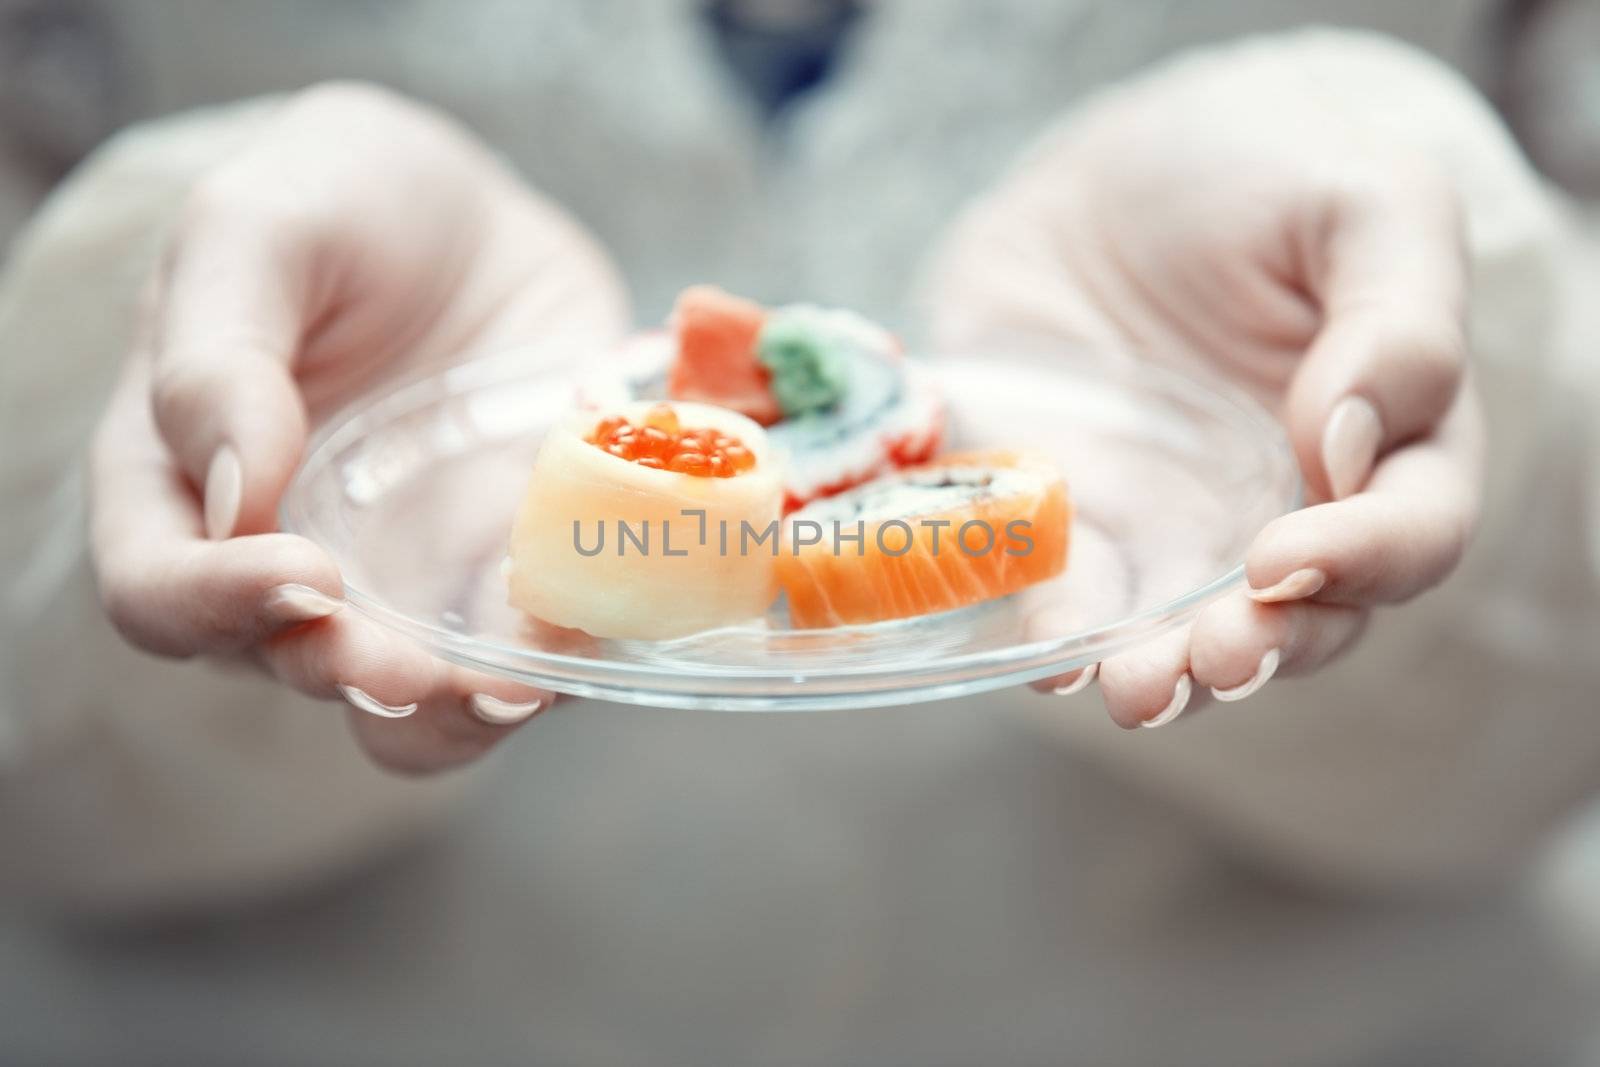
[(620, 533), (963, 529)]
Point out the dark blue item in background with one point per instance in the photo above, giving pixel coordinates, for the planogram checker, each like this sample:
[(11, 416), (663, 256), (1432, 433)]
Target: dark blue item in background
[(777, 59)]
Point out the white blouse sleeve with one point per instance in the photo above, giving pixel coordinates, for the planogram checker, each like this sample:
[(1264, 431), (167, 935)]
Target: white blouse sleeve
[(129, 783)]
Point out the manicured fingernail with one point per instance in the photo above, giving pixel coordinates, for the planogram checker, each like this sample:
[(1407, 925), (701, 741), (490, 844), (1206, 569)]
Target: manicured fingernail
[(1297, 586), (1080, 683), (1180, 700), (499, 712), (224, 490), (371, 705), (293, 602), (1350, 445), (1264, 672)]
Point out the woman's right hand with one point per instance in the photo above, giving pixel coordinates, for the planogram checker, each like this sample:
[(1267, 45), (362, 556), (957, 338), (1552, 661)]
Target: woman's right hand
[(358, 237)]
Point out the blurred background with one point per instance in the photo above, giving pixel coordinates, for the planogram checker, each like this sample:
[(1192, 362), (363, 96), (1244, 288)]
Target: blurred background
[(954, 883)]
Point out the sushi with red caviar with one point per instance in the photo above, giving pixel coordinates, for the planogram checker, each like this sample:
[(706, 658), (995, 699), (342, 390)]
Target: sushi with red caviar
[(834, 390), (967, 528), (620, 531)]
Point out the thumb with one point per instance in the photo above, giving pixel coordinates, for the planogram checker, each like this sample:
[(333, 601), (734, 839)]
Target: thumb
[(227, 323), (1388, 360)]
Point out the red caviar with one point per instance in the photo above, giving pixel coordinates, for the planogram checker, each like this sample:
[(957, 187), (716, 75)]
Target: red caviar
[(661, 443)]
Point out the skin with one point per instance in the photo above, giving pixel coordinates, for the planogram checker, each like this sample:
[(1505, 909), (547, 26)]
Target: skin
[(1272, 239), (362, 236), (359, 237)]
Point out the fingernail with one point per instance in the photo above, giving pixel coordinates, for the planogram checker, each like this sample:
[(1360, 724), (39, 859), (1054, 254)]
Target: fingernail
[(1080, 683), (1350, 444), (1297, 586), (1269, 666), (371, 705), (294, 602), (1180, 700), (499, 712), (224, 490)]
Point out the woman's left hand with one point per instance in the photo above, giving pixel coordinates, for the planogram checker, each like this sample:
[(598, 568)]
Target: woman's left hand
[(1269, 237)]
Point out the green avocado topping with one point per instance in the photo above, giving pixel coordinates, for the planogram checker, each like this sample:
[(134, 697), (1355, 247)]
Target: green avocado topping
[(808, 365)]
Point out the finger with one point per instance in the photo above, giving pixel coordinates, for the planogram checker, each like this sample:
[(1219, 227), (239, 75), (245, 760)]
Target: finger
[(227, 323), (1148, 685), (410, 712), (1054, 621), (200, 597), (1390, 276), (1069, 683), (1238, 645), (164, 587), (1403, 535)]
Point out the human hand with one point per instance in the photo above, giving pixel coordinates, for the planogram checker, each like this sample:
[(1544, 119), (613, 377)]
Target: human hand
[(357, 238), (1212, 218)]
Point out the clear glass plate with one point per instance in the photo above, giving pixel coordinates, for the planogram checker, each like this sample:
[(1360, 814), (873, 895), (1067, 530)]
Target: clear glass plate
[(413, 494)]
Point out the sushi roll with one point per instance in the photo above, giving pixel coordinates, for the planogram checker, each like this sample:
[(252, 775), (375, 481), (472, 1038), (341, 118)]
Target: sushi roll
[(965, 529), (854, 406), (618, 531), (838, 397)]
